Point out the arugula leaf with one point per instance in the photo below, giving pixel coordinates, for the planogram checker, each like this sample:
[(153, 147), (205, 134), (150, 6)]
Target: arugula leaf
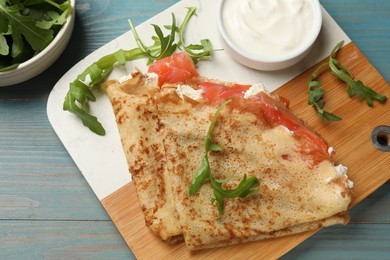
[(54, 19), (316, 96), (204, 171), (163, 46), (28, 30), (60, 5), (79, 94), (245, 187), (24, 25), (4, 48), (362, 92), (355, 87), (195, 51)]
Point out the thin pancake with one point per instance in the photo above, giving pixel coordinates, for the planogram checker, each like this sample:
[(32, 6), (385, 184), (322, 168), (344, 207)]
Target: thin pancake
[(140, 129), (163, 136)]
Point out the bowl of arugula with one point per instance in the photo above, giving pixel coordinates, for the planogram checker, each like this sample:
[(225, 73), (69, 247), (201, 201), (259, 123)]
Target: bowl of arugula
[(33, 34)]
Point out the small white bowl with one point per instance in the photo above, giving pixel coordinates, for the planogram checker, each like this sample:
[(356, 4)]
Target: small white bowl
[(279, 62), (42, 60)]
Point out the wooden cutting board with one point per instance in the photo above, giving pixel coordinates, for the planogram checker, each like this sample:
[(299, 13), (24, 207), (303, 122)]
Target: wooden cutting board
[(369, 168)]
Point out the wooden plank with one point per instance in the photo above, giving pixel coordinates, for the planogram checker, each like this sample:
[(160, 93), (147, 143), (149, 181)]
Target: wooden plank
[(61, 240), (126, 214), (38, 179), (355, 241), (373, 209), (109, 19), (350, 137), (357, 21), (99, 240), (326, 243)]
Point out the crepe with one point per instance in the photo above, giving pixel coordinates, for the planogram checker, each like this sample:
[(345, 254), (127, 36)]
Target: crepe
[(163, 133), (141, 136)]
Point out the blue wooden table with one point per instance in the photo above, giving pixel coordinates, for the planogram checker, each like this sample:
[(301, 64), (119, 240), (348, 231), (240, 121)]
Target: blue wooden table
[(48, 211)]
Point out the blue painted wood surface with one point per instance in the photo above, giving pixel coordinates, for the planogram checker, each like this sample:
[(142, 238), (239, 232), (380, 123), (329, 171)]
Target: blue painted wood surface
[(48, 211)]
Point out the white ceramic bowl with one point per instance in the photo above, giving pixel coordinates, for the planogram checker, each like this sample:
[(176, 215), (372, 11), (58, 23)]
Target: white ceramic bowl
[(268, 63), (42, 60)]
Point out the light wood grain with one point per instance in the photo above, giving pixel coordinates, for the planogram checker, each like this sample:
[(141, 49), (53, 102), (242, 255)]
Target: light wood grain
[(351, 137), (125, 212), (368, 167)]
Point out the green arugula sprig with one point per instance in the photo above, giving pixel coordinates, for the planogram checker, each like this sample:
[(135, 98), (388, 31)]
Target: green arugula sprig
[(355, 87), (80, 90), (163, 46), (195, 51), (316, 96), (245, 187)]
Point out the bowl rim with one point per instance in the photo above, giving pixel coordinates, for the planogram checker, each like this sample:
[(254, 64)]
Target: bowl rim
[(24, 66), (277, 59)]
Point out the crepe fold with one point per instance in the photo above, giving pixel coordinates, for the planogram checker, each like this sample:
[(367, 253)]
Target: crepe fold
[(163, 137)]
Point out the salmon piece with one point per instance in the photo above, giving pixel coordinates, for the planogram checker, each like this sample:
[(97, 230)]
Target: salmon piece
[(274, 111), (178, 68)]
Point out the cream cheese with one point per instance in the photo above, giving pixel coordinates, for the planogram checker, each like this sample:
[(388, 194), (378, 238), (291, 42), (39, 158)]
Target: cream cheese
[(269, 28), (330, 151), (151, 79), (124, 78), (328, 180), (287, 130), (341, 170), (188, 91), (254, 90)]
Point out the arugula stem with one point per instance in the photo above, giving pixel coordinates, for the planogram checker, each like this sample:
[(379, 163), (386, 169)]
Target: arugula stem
[(204, 172), (140, 45), (246, 186), (53, 4), (355, 87), (195, 51), (191, 12), (80, 90), (316, 95)]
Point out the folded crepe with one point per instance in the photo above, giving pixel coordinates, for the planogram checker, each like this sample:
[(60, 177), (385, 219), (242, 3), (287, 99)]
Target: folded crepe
[(163, 129)]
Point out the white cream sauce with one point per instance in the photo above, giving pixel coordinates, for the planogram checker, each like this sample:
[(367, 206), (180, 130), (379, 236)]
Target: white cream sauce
[(268, 28)]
